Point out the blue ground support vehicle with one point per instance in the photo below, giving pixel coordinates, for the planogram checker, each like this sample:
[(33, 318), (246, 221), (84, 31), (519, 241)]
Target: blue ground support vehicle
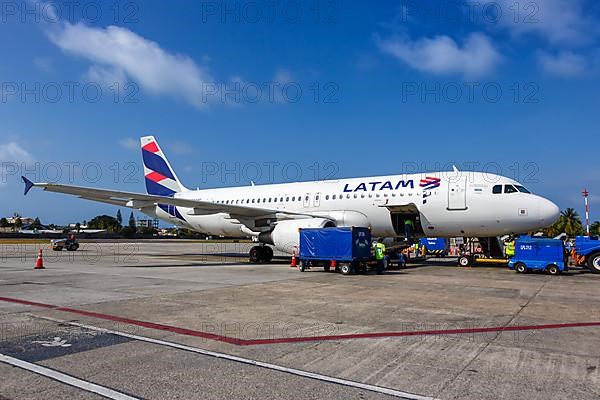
[(587, 252), (350, 248), (435, 246), (532, 253)]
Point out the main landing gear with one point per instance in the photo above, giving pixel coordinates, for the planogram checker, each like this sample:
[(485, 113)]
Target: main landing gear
[(261, 254)]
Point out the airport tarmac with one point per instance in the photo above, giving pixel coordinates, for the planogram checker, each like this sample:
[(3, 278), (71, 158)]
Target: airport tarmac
[(177, 319)]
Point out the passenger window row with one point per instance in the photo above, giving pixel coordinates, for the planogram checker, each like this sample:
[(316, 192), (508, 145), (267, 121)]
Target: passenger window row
[(293, 199)]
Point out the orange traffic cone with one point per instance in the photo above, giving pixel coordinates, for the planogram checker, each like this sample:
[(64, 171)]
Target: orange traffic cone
[(294, 263), (333, 264), (39, 264)]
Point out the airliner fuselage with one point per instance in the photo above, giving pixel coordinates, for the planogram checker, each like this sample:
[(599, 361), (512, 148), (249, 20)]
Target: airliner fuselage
[(447, 204)]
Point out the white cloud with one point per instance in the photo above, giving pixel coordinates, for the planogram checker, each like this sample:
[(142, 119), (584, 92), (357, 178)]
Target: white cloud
[(564, 63), (118, 52), (106, 76), (13, 152), (562, 22), (129, 144), (12, 158), (442, 55)]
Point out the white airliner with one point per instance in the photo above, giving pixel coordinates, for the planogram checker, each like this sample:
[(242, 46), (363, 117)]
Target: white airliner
[(443, 204)]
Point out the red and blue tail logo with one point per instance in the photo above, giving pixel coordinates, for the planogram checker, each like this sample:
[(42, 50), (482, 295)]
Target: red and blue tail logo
[(430, 183), (159, 176)]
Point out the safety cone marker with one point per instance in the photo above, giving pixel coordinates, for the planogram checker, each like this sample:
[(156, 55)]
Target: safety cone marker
[(294, 263), (39, 264)]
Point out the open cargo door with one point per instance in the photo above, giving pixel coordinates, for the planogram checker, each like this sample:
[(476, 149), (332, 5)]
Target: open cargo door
[(400, 213)]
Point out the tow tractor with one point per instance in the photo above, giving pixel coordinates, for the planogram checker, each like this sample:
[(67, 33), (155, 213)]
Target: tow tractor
[(539, 253), (551, 255), (69, 243), (586, 252)]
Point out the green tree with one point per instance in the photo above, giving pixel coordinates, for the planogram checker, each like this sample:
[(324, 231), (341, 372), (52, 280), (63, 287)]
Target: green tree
[(18, 223), (595, 228), (131, 220), (128, 232), (119, 217), (568, 222), (4, 223), (104, 222)]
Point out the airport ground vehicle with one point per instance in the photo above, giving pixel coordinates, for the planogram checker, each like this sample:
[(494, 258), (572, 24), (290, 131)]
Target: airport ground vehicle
[(542, 254), (484, 250), (435, 246), (587, 252), (70, 244), (347, 248)]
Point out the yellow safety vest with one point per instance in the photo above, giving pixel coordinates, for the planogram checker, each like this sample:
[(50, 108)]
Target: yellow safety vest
[(510, 249), (379, 251)]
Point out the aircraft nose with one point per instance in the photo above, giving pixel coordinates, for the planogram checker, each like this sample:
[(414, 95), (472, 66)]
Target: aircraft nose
[(549, 212)]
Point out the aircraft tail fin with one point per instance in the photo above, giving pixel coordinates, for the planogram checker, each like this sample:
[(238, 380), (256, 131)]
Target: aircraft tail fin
[(159, 176)]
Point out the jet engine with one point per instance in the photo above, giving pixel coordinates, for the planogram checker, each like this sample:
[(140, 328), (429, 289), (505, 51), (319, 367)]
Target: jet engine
[(284, 236)]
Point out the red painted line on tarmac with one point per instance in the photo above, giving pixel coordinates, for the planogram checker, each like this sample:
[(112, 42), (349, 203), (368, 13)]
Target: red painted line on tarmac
[(27, 303), (418, 333), (151, 325), (251, 342)]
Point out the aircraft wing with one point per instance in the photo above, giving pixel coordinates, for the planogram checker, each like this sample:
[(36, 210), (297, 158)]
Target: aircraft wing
[(141, 200)]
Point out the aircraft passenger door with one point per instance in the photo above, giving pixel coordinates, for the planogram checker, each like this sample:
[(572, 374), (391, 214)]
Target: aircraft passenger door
[(306, 200), (317, 199), (457, 193)]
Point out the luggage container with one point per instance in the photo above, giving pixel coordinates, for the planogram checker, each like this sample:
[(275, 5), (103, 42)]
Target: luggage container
[(543, 254), (348, 248), (435, 246)]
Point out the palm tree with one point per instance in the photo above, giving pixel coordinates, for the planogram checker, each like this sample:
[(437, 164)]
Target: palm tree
[(569, 223)]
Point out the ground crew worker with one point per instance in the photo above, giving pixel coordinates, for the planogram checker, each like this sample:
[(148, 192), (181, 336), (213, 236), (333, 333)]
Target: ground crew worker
[(380, 255), (409, 227), (509, 248)]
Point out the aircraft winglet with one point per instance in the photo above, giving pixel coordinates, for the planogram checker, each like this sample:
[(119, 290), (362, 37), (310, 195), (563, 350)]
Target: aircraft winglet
[(28, 185)]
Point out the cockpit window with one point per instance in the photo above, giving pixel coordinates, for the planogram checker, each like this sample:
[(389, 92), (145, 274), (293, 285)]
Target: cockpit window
[(510, 189), (497, 189), (522, 189)]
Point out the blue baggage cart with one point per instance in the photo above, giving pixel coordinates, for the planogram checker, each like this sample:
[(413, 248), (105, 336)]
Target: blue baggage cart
[(346, 247), (543, 254), (435, 246)]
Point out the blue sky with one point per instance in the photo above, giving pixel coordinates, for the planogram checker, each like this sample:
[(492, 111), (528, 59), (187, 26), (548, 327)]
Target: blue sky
[(346, 89)]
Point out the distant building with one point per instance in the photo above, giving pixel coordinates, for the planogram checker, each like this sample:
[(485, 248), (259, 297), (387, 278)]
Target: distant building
[(146, 223), (24, 220)]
